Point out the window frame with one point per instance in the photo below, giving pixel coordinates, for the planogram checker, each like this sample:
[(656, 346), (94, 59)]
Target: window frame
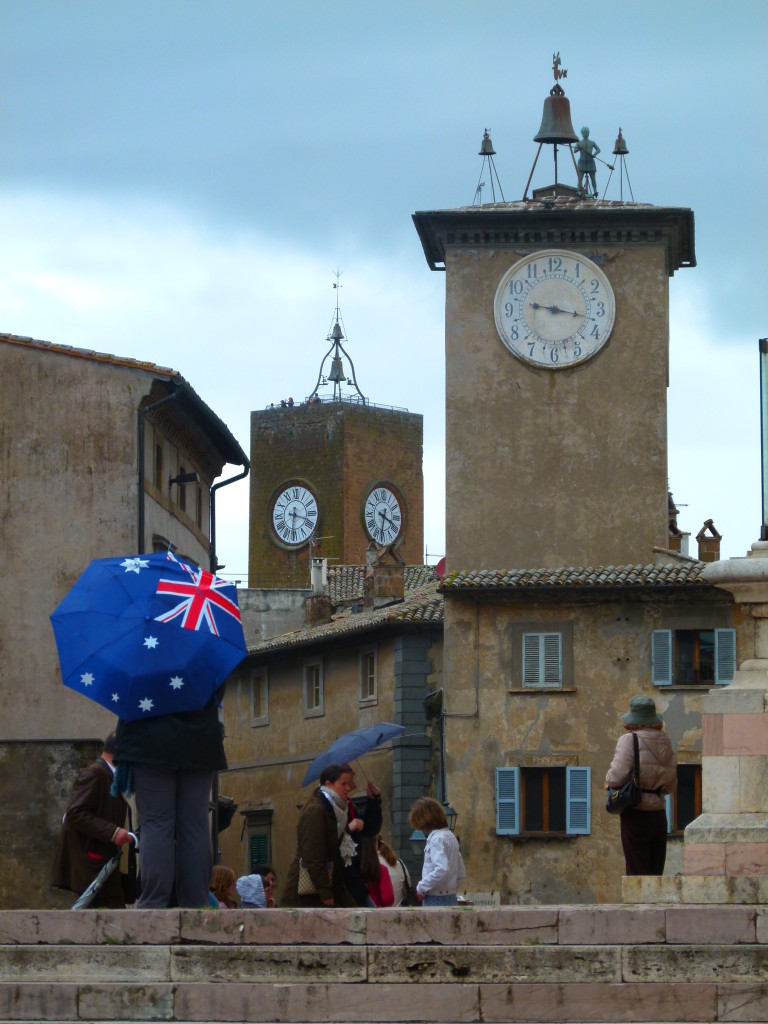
[(314, 710), (368, 698), (539, 656), (258, 826), (259, 675), (515, 667), (510, 802), (671, 804), (664, 659)]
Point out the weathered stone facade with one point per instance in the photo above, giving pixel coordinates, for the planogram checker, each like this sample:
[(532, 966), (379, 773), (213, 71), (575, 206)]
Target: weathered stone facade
[(69, 466)]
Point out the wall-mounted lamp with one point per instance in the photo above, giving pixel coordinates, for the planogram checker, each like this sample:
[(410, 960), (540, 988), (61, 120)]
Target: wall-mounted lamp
[(418, 842), (183, 479)]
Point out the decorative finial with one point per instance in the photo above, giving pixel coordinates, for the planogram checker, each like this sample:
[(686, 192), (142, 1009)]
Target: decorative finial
[(487, 152), (336, 374), (558, 71)]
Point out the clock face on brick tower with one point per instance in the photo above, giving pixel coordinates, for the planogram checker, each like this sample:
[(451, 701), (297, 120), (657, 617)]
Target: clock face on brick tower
[(383, 515), (554, 309), (294, 515)]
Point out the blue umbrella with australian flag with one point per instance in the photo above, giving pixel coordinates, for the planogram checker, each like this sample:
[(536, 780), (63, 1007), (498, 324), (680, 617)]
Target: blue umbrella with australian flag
[(148, 635)]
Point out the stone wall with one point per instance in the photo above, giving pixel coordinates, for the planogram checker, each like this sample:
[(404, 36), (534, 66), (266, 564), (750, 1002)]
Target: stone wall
[(617, 964)]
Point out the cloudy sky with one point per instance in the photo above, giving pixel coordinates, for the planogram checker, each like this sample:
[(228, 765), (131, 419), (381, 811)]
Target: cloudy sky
[(180, 179)]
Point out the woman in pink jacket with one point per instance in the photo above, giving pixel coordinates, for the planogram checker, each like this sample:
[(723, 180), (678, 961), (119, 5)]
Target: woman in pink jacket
[(644, 827)]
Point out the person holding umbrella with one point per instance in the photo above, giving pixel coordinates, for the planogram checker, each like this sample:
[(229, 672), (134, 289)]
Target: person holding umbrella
[(172, 761), (92, 832), (323, 845)]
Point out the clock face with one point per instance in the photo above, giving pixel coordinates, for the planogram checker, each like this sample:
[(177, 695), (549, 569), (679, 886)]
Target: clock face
[(554, 309), (383, 515), (294, 515)]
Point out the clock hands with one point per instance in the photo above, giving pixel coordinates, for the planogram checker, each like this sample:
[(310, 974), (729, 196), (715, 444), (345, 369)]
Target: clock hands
[(555, 309), (385, 518)]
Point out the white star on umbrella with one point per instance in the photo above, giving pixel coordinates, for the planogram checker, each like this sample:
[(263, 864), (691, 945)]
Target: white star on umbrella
[(177, 682), (87, 678), (150, 642), (115, 697), (146, 704), (134, 564)]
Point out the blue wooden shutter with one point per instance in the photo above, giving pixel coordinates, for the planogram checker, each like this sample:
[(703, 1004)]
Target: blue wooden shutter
[(577, 802), (661, 657), (725, 656), (552, 644), (507, 802)]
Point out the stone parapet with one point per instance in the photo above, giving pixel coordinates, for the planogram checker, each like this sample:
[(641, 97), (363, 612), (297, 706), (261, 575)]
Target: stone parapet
[(577, 963)]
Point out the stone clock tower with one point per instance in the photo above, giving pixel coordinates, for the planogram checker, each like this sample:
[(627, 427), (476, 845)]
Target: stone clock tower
[(331, 474), (556, 337)]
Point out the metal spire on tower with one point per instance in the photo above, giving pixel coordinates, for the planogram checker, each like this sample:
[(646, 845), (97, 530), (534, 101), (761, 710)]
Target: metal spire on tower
[(336, 375)]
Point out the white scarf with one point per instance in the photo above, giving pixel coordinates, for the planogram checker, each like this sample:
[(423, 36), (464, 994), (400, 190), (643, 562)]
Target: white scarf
[(347, 848)]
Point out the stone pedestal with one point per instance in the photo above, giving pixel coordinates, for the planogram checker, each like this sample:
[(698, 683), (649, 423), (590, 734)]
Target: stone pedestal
[(730, 838)]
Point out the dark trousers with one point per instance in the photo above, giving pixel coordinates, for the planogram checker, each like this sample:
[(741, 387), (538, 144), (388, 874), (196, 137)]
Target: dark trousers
[(175, 842), (644, 841)]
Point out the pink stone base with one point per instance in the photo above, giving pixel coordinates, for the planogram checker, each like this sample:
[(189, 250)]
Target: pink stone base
[(725, 859)]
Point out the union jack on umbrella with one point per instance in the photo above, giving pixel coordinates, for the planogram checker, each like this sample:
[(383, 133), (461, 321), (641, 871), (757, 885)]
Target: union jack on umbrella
[(148, 635)]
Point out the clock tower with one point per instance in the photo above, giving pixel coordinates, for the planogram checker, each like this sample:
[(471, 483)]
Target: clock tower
[(330, 474), (556, 341)]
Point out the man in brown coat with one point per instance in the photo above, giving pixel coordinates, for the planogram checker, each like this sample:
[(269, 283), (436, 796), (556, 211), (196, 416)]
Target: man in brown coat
[(92, 832)]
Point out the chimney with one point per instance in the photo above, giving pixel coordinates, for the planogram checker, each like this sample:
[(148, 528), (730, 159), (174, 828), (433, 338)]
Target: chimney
[(319, 575), (709, 544), (675, 539)]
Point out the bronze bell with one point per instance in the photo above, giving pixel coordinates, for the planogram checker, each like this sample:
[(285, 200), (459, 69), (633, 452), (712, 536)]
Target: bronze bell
[(620, 147), (556, 123), (337, 374), (486, 146), (336, 334)]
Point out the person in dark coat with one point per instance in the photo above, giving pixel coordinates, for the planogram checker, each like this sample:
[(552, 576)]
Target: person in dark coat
[(323, 844), (92, 832), (366, 827), (172, 761)]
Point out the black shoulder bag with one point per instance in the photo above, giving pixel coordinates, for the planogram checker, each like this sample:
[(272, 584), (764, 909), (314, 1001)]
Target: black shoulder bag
[(629, 795)]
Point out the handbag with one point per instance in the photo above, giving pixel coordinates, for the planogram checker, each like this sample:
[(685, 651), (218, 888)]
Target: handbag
[(621, 798), (306, 886), (410, 899)]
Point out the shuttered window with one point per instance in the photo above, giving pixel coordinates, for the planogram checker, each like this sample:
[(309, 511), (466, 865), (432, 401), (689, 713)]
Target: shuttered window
[(542, 660), (686, 657), (538, 801)]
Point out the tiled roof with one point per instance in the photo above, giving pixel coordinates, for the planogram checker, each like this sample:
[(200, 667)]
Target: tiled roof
[(422, 605), (345, 582), (85, 353), (632, 576)]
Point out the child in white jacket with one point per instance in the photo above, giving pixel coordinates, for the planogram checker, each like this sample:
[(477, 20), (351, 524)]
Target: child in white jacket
[(443, 867)]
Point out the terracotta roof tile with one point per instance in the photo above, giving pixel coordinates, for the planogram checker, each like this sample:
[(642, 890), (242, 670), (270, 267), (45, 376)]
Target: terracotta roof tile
[(688, 574)]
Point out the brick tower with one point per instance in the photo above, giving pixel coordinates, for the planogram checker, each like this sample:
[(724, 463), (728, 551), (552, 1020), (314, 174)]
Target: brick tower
[(329, 475)]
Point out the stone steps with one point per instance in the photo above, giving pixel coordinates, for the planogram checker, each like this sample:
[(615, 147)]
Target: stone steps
[(508, 964)]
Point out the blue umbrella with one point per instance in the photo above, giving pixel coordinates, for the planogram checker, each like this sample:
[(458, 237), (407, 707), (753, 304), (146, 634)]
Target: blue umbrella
[(351, 745), (148, 635)]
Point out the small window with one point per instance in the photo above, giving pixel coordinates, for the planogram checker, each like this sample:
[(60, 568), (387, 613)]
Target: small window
[(368, 670), (684, 805), (542, 660), (313, 688), (258, 834), (693, 657), (159, 466), (259, 697), (543, 801), (182, 489)]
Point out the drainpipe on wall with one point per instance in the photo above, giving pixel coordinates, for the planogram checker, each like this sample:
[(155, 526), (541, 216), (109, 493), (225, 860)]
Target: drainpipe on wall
[(213, 561)]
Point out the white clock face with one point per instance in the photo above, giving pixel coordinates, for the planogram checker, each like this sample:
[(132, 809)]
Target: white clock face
[(383, 515), (554, 309), (294, 515)]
